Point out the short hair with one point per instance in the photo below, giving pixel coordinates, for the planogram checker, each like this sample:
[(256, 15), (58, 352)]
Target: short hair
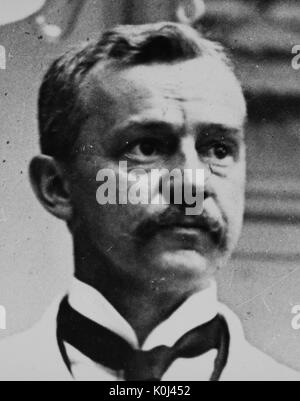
[(61, 113)]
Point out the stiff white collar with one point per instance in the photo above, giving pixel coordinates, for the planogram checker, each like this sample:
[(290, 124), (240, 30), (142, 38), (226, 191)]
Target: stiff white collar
[(197, 310)]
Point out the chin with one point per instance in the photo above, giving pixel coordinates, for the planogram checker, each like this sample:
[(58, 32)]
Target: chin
[(185, 264), (184, 271)]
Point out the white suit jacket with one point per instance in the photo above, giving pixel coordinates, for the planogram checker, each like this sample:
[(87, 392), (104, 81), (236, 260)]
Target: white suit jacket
[(35, 355)]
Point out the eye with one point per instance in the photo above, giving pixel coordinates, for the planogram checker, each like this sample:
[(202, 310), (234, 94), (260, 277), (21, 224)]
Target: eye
[(219, 153), (149, 150), (146, 150)]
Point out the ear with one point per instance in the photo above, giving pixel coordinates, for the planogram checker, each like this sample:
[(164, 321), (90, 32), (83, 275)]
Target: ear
[(51, 186)]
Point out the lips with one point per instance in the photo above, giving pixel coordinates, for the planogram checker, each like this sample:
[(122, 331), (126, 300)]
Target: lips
[(195, 227), (190, 224), (185, 229), (187, 237)]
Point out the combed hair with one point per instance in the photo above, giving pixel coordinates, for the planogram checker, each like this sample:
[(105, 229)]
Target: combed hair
[(61, 114)]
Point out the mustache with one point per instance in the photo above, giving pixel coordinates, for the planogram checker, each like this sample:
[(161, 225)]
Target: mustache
[(216, 228)]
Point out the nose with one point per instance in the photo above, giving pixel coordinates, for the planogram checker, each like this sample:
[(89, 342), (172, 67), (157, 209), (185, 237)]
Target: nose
[(195, 175), (190, 160)]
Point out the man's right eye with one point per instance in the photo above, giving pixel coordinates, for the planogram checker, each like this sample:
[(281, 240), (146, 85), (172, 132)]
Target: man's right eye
[(147, 150)]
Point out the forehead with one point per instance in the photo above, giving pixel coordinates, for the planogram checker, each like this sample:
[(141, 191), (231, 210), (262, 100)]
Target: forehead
[(201, 90)]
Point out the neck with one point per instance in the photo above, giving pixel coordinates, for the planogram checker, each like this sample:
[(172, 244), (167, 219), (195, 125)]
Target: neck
[(142, 303)]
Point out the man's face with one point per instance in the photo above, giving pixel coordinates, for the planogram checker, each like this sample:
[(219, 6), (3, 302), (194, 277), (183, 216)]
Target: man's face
[(188, 115)]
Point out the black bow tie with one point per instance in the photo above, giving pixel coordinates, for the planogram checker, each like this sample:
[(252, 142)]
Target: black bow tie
[(110, 350)]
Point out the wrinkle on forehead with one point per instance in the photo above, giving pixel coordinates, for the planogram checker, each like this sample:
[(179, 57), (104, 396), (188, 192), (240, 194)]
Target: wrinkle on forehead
[(206, 85)]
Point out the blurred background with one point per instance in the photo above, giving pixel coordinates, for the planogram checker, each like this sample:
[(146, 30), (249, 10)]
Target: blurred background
[(262, 283)]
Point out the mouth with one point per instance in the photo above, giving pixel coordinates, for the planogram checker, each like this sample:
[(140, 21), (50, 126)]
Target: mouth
[(188, 237), (187, 224), (186, 230), (191, 229)]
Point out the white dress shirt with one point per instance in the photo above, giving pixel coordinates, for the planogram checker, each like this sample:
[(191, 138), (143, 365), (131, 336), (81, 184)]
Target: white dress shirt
[(35, 354), (196, 311)]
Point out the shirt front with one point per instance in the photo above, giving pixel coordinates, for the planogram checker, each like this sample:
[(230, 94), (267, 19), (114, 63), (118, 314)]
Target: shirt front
[(196, 311), (35, 355)]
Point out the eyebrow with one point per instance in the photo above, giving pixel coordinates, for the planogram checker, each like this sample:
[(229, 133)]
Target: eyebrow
[(157, 127), (220, 129), (149, 125)]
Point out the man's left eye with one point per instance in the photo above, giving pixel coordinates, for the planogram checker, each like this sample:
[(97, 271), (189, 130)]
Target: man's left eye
[(220, 154)]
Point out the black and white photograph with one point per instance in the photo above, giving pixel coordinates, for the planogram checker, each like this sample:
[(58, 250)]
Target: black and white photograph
[(149, 193)]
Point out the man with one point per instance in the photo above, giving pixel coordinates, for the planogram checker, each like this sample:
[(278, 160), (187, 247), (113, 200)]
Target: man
[(143, 304)]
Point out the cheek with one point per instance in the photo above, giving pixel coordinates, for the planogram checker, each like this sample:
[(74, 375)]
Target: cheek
[(84, 189), (231, 195), (236, 185), (235, 202), (117, 219)]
